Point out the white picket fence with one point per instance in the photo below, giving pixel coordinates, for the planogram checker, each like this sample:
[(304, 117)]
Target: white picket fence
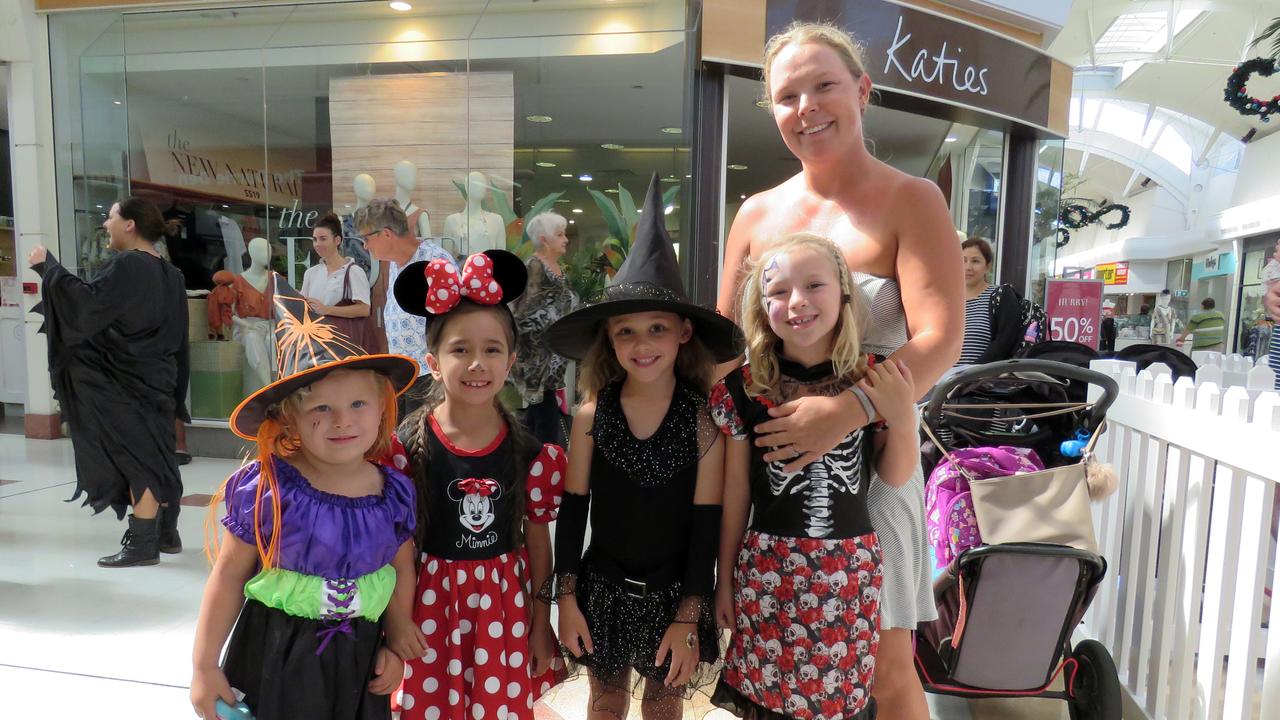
[(1189, 539)]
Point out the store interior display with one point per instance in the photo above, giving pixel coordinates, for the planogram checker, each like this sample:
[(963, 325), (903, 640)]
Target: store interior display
[(474, 228), (406, 174), (246, 300)]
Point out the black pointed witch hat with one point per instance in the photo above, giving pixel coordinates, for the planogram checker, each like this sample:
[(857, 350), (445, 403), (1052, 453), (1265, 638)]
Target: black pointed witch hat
[(648, 281), (307, 349)]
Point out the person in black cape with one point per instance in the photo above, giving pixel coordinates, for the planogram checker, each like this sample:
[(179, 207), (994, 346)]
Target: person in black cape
[(118, 364)]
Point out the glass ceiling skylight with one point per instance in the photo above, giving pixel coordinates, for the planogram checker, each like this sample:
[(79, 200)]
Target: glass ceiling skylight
[(1141, 32)]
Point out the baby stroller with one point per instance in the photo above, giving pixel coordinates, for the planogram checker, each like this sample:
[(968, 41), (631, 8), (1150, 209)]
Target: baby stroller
[(1007, 608)]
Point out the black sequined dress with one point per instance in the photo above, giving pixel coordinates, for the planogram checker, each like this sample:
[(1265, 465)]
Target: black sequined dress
[(630, 582)]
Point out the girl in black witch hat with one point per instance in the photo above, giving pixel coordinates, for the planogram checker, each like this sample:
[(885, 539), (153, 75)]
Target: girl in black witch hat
[(479, 648), (645, 464)]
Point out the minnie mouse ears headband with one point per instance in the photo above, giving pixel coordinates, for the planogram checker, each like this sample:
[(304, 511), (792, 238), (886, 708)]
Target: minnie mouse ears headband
[(430, 289)]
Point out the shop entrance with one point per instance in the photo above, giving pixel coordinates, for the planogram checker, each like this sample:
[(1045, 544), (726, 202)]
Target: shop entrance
[(13, 375)]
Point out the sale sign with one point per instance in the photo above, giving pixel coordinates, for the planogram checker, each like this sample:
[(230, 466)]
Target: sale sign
[(1116, 273), (1074, 310)]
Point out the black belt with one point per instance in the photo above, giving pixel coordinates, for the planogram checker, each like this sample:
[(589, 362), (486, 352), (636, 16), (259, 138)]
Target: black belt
[(635, 586)]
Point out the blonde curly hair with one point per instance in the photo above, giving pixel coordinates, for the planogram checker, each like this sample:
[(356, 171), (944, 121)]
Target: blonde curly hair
[(763, 343)]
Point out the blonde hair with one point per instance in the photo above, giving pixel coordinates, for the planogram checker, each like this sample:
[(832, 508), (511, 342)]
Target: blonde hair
[(799, 33), (763, 343), (278, 436), (599, 367)]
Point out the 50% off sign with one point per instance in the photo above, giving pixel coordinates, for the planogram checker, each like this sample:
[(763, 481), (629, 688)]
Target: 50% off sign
[(1074, 309)]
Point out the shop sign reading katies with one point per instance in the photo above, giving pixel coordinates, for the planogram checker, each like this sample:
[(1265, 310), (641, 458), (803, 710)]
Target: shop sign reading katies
[(927, 55), (1116, 273)]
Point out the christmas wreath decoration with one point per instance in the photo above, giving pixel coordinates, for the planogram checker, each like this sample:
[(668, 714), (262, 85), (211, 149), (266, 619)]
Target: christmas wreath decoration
[(1237, 96), (1074, 216)]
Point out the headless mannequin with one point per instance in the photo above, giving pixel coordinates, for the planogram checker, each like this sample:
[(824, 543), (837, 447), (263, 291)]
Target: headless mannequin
[(406, 180), (254, 333), (474, 228), (1162, 320)]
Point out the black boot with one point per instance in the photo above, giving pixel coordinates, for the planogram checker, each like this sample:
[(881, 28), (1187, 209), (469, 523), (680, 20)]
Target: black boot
[(170, 542), (140, 545)]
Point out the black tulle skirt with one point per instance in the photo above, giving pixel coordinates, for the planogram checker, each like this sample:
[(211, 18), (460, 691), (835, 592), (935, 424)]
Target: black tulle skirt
[(272, 659), (626, 632)]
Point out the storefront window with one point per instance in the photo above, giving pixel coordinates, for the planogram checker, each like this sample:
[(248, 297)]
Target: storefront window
[(1257, 251), (255, 122), (1044, 226)]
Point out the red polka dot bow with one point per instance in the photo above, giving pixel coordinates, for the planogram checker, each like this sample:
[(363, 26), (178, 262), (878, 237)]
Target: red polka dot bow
[(483, 487), (445, 288)]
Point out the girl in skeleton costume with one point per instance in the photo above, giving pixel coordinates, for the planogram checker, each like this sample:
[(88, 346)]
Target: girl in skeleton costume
[(804, 598), (478, 648), (645, 470)]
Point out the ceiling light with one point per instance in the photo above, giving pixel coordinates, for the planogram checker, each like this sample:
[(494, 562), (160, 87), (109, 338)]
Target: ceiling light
[(577, 211), (572, 221), (688, 176), (611, 191), (117, 102), (737, 167), (538, 118), (667, 210), (563, 201), (544, 163), (671, 178), (611, 146), (950, 138), (744, 197), (762, 103), (401, 6), (584, 177), (672, 130), (566, 174)]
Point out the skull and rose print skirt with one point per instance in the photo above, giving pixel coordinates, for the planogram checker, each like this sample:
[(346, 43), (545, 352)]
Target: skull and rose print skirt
[(807, 628)]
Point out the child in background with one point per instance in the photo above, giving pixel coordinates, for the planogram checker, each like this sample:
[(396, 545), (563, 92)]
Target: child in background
[(805, 592), (316, 536)]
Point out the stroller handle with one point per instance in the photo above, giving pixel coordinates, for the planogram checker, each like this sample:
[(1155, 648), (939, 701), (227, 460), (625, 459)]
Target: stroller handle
[(933, 409)]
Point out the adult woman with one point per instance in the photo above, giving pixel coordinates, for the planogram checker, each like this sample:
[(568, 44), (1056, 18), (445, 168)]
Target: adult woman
[(988, 335), (896, 234), (118, 366), (336, 286), (539, 373)]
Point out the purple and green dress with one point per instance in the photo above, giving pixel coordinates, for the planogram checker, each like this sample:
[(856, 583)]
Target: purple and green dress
[(308, 634)]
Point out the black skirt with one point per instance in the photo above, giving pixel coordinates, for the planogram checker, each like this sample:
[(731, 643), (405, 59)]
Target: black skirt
[(626, 632), (272, 659)]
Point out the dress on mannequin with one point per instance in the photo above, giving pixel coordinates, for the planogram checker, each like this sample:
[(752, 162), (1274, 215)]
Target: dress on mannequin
[(476, 229), (251, 323)]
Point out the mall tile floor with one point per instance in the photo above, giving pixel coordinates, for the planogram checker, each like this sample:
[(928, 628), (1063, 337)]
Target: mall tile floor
[(77, 641)]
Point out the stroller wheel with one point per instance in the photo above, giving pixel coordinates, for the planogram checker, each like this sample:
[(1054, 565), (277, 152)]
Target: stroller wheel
[(1095, 694)]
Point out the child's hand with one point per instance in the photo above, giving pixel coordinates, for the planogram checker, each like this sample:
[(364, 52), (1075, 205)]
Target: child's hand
[(542, 648), (681, 643), (404, 638), (725, 616), (206, 687), (388, 671), (892, 391), (573, 628)]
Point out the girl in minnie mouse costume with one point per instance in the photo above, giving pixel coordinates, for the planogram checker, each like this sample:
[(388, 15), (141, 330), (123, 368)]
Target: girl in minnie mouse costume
[(478, 647)]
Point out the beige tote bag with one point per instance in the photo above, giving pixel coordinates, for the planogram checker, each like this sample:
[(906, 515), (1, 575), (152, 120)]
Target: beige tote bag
[(1050, 506)]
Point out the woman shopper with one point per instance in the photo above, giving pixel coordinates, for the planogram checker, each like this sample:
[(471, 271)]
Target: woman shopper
[(118, 365)]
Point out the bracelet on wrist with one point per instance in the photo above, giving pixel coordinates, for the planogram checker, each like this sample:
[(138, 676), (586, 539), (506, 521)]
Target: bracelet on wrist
[(867, 406)]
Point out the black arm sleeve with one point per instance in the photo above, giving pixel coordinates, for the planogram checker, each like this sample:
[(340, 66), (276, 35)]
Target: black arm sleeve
[(1005, 330), (183, 360), (571, 531), (704, 544)]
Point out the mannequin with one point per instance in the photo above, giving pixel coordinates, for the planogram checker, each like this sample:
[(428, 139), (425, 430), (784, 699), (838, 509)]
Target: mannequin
[(352, 245), (1162, 319), (251, 319), (474, 228), (406, 180)]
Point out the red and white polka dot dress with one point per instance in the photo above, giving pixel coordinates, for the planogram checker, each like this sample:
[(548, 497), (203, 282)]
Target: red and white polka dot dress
[(475, 613)]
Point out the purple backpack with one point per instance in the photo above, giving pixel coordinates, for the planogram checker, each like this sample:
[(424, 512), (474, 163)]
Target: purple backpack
[(948, 504)]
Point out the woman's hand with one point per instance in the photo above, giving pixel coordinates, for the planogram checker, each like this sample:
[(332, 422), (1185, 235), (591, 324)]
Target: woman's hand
[(573, 627), (807, 428), (318, 307), (681, 643), (542, 648), (207, 686), (37, 255), (405, 638), (725, 617), (388, 671), (889, 387)]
